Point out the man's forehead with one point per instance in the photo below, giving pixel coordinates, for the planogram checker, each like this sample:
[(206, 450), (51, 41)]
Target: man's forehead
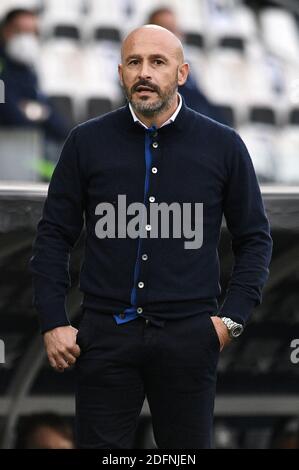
[(148, 47), (26, 21)]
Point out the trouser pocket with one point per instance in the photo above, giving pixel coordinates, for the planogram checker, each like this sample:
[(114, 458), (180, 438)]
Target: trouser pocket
[(84, 335), (214, 333)]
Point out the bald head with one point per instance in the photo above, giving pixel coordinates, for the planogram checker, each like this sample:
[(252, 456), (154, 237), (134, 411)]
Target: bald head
[(159, 38)]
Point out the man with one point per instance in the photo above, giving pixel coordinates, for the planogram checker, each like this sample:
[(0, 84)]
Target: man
[(194, 97), (25, 105), (44, 431), (151, 323)]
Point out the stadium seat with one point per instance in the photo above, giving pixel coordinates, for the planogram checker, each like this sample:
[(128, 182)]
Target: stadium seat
[(287, 163), (61, 64), (105, 11), (60, 24), (291, 74), (195, 39), (294, 116), (280, 33), (262, 115), (64, 104), (103, 22), (73, 74), (144, 8), (62, 74), (232, 42), (102, 33), (97, 106), (101, 63), (20, 151), (228, 114), (191, 20), (101, 91), (234, 28), (260, 140), (225, 80), (64, 7), (263, 101)]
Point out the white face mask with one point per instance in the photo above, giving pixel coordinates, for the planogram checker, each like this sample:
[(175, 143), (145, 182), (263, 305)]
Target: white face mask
[(24, 48)]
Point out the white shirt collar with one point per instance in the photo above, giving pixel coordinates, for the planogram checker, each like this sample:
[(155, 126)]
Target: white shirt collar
[(169, 121)]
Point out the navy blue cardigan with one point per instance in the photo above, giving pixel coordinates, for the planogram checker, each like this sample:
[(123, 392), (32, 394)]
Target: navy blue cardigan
[(195, 159)]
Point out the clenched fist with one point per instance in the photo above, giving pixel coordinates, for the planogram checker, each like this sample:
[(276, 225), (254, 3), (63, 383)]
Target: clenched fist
[(61, 347)]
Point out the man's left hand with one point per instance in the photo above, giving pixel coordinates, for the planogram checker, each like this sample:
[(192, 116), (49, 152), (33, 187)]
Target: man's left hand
[(221, 331)]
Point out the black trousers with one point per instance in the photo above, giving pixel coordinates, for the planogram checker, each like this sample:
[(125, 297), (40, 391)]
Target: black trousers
[(173, 365)]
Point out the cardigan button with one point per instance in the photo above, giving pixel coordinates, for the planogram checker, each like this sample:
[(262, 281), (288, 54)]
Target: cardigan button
[(140, 284), (155, 145), (139, 310), (154, 170)]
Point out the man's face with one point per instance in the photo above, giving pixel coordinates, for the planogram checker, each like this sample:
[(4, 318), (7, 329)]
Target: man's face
[(167, 20), (150, 72), (45, 437), (24, 23)]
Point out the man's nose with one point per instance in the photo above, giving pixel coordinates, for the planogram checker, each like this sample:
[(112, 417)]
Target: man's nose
[(145, 71)]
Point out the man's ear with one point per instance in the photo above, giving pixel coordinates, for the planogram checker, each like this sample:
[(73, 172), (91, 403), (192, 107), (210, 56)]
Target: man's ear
[(120, 74), (183, 72)]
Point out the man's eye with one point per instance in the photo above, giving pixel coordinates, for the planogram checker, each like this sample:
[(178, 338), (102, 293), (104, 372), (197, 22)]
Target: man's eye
[(133, 62), (158, 62)]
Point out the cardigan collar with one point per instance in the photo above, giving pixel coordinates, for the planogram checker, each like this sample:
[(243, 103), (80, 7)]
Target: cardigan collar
[(181, 122)]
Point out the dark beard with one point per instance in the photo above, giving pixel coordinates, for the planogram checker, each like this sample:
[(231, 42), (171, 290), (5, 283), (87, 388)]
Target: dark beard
[(149, 110)]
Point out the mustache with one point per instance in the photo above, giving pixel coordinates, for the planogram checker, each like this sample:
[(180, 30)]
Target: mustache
[(145, 83)]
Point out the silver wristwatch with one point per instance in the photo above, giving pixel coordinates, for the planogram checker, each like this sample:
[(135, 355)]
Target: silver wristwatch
[(234, 329)]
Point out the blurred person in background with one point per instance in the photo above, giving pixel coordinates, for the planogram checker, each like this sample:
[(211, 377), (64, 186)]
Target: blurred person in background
[(191, 92), (25, 104), (44, 431), (285, 434)]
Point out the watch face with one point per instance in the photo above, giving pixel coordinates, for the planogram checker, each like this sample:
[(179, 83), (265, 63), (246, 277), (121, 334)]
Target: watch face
[(236, 331)]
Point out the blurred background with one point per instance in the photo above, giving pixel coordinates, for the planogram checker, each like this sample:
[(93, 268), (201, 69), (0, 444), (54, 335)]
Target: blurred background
[(58, 67)]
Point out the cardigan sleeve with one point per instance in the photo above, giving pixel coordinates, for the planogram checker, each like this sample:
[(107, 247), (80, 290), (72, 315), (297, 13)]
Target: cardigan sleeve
[(57, 232), (250, 236)]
